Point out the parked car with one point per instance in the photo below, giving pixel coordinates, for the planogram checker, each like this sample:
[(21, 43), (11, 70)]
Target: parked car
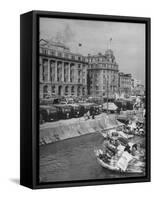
[(47, 113), (110, 107), (63, 111), (96, 109), (75, 110), (85, 107)]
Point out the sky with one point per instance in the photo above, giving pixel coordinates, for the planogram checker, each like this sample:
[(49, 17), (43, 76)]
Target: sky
[(128, 40)]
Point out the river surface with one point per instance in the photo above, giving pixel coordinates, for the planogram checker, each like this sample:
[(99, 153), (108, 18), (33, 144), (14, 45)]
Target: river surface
[(73, 159)]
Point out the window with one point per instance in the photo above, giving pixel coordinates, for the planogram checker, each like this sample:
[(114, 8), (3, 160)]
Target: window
[(66, 55), (45, 51), (52, 52), (83, 91), (53, 89), (97, 88), (59, 54), (72, 90), (66, 90), (73, 57), (78, 91)]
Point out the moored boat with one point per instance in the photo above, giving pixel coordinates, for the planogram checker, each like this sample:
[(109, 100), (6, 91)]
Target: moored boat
[(135, 167)]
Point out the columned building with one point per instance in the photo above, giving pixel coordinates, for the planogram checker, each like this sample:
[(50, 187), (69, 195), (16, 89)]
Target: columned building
[(125, 83), (102, 75), (62, 73)]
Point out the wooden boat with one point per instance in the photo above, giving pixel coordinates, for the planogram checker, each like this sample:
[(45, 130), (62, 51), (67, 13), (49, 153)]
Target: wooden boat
[(134, 168)]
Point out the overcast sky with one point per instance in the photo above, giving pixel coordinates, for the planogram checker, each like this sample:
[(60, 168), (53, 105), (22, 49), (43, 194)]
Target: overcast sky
[(128, 40)]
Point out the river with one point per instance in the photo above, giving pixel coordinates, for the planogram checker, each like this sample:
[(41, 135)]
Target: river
[(73, 159)]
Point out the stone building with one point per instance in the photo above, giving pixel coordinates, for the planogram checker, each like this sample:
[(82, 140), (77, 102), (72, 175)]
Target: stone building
[(102, 74), (62, 73), (139, 90), (124, 83)]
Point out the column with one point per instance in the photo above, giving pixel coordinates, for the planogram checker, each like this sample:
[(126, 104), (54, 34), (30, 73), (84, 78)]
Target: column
[(40, 69), (76, 73), (69, 90), (48, 70), (41, 73), (62, 66), (75, 90), (68, 72), (55, 70), (81, 90), (56, 90)]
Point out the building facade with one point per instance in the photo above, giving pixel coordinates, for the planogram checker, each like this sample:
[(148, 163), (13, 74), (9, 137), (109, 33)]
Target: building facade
[(138, 90), (102, 75), (62, 73), (124, 83)]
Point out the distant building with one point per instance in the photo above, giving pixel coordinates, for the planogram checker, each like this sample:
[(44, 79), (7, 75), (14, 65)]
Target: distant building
[(136, 82), (62, 73), (102, 74), (139, 90), (132, 84), (124, 83)]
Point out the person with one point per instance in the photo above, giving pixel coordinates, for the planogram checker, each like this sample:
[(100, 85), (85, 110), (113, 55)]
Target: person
[(135, 151), (127, 148), (67, 115), (93, 114), (144, 113), (88, 114), (120, 148)]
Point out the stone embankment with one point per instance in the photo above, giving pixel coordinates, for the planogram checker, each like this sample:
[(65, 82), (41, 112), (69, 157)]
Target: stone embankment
[(64, 129)]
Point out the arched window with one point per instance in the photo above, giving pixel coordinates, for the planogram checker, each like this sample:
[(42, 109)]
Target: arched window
[(72, 90), (53, 89), (45, 91), (83, 91), (60, 90), (66, 90), (78, 91)]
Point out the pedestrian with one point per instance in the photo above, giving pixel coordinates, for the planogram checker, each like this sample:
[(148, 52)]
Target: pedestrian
[(88, 114)]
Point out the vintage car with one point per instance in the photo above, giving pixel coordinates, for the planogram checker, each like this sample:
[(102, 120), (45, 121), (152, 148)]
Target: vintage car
[(75, 110), (124, 104), (91, 107), (63, 111), (110, 107), (96, 109), (47, 113)]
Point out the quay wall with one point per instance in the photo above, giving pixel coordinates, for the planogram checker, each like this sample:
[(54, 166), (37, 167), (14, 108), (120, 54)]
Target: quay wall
[(57, 131)]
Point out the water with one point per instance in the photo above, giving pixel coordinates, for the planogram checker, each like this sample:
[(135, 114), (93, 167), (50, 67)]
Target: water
[(73, 159)]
